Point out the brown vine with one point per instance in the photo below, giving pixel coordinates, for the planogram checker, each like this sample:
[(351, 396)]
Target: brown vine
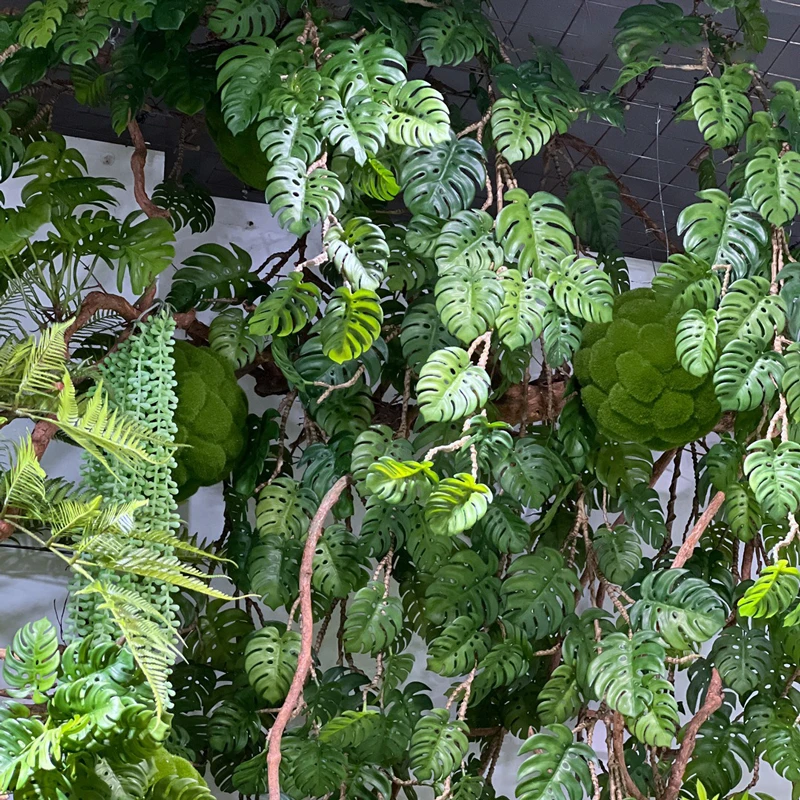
[(138, 161)]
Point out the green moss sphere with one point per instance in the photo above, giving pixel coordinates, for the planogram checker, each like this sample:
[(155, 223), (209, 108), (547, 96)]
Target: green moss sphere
[(210, 417), (631, 382)]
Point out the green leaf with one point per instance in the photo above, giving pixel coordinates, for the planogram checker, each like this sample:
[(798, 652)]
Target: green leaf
[(534, 231), (583, 289), (273, 567), (350, 728), (723, 232), (464, 585), (521, 317), (448, 36), (456, 504), (450, 386), (288, 308), (374, 443), (721, 106), (773, 185), (467, 240), (468, 301), (532, 473), (561, 335), (144, 251), (300, 200), (594, 205), (659, 724), (753, 23), (441, 179), (234, 724), (437, 745), (642, 30), (400, 482), (785, 107), (375, 180), (359, 251), (619, 673), (79, 38), (688, 281), (282, 137), (270, 661), (189, 203), (558, 766), (683, 609), (560, 697), (32, 661), (519, 132), (743, 657), (373, 621), (696, 341), (633, 70), (369, 66), (774, 475), (418, 116), (619, 553), (284, 508), (351, 324), (746, 377), (357, 126), (773, 592), (40, 22), (337, 563), (320, 768), (422, 333), (244, 19), (458, 647), (742, 511), (748, 311), (228, 335), (790, 385)]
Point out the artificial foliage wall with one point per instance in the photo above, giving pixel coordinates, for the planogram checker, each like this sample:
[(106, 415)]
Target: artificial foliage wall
[(487, 410)]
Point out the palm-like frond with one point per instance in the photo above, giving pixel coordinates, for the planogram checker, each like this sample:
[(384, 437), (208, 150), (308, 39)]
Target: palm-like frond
[(44, 363), (22, 486)]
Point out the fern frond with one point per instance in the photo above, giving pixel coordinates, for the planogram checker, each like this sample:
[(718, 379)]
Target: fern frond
[(44, 364), (22, 485)]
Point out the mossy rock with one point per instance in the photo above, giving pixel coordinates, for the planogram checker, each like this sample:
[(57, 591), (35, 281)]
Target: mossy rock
[(631, 382), (210, 416)]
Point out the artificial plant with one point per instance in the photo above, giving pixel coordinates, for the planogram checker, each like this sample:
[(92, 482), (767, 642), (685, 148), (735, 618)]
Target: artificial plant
[(441, 488)]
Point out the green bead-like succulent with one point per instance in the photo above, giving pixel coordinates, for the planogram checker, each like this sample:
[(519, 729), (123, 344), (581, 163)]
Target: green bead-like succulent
[(210, 417), (631, 382)]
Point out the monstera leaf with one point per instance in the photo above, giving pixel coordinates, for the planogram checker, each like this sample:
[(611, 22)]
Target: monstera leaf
[(422, 334), (441, 180), (284, 508), (418, 116), (357, 127), (684, 610), (456, 504), (458, 647), (235, 20), (688, 281), (583, 289), (594, 205), (32, 661), (189, 203), (696, 341), (519, 132), (40, 21), (300, 200), (273, 567), (560, 697), (270, 661), (464, 585), (534, 231), (467, 240), (561, 335), (521, 317), (748, 311), (531, 473), (791, 380), (337, 563), (644, 29), (745, 377), (400, 482), (288, 309), (450, 386), (743, 657), (774, 475), (282, 137), (79, 38), (351, 324), (619, 552), (437, 745), (773, 592), (373, 620), (367, 66), (144, 250), (468, 301), (228, 335), (721, 231), (557, 767), (658, 725), (449, 36), (721, 106), (360, 252), (773, 185)]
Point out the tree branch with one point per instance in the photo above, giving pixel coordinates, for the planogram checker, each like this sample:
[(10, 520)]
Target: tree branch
[(687, 548), (306, 637), (619, 753), (138, 161)]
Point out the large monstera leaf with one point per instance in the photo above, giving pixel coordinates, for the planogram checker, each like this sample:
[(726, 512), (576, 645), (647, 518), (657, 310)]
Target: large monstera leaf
[(79, 39), (467, 240), (774, 475), (351, 324), (441, 180), (40, 22), (237, 20), (685, 610), (773, 592), (270, 660), (458, 647), (448, 36), (288, 309), (531, 473), (367, 66), (773, 184), (620, 672), (32, 661), (519, 132), (721, 231), (746, 376), (300, 200), (282, 137), (437, 745), (456, 504), (696, 341), (642, 30), (468, 301), (743, 657), (748, 311), (360, 252), (521, 317), (558, 766), (418, 116), (450, 386), (534, 231), (594, 204), (721, 106), (583, 289), (357, 127)]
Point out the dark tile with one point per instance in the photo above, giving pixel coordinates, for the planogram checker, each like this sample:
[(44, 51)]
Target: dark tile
[(787, 65)]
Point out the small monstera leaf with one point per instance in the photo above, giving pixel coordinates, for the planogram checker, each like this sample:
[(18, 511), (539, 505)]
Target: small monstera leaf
[(300, 200), (643, 30), (284, 508), (144, 250), (449, 36), (721, 231), (773, 185), (374, 443), (273, 567), (189, 203), (560, 697), (791, 380), (467, 240), (521, 317), (659, 724), (437, 745), (288, 309), (619, 553), (400, 482), (746, 377), (357, 127), (337, 563), (531, 473), (282, 137), (774, 475), (360, 252), (450, 386), (350, 728), (748, 311), (456, 504), (228, 335), (367, 66), (721, 106), (440, 180), (620, 673), (558, 766), (519, 132), (743, 657), (31, 663), (594, 204), (270, 661), (696, 341), (468, 301), (688, 281), (352, 322), (773, 592), (583, 289), (418, 115), (79, 38), (685, 610), (534, 231), (40, 22), (373, 620), (237, 20), (458, 647), (422, 334)]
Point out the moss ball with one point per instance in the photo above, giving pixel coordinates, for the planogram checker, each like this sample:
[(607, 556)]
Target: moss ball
[(210, 416), (631, 382)]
